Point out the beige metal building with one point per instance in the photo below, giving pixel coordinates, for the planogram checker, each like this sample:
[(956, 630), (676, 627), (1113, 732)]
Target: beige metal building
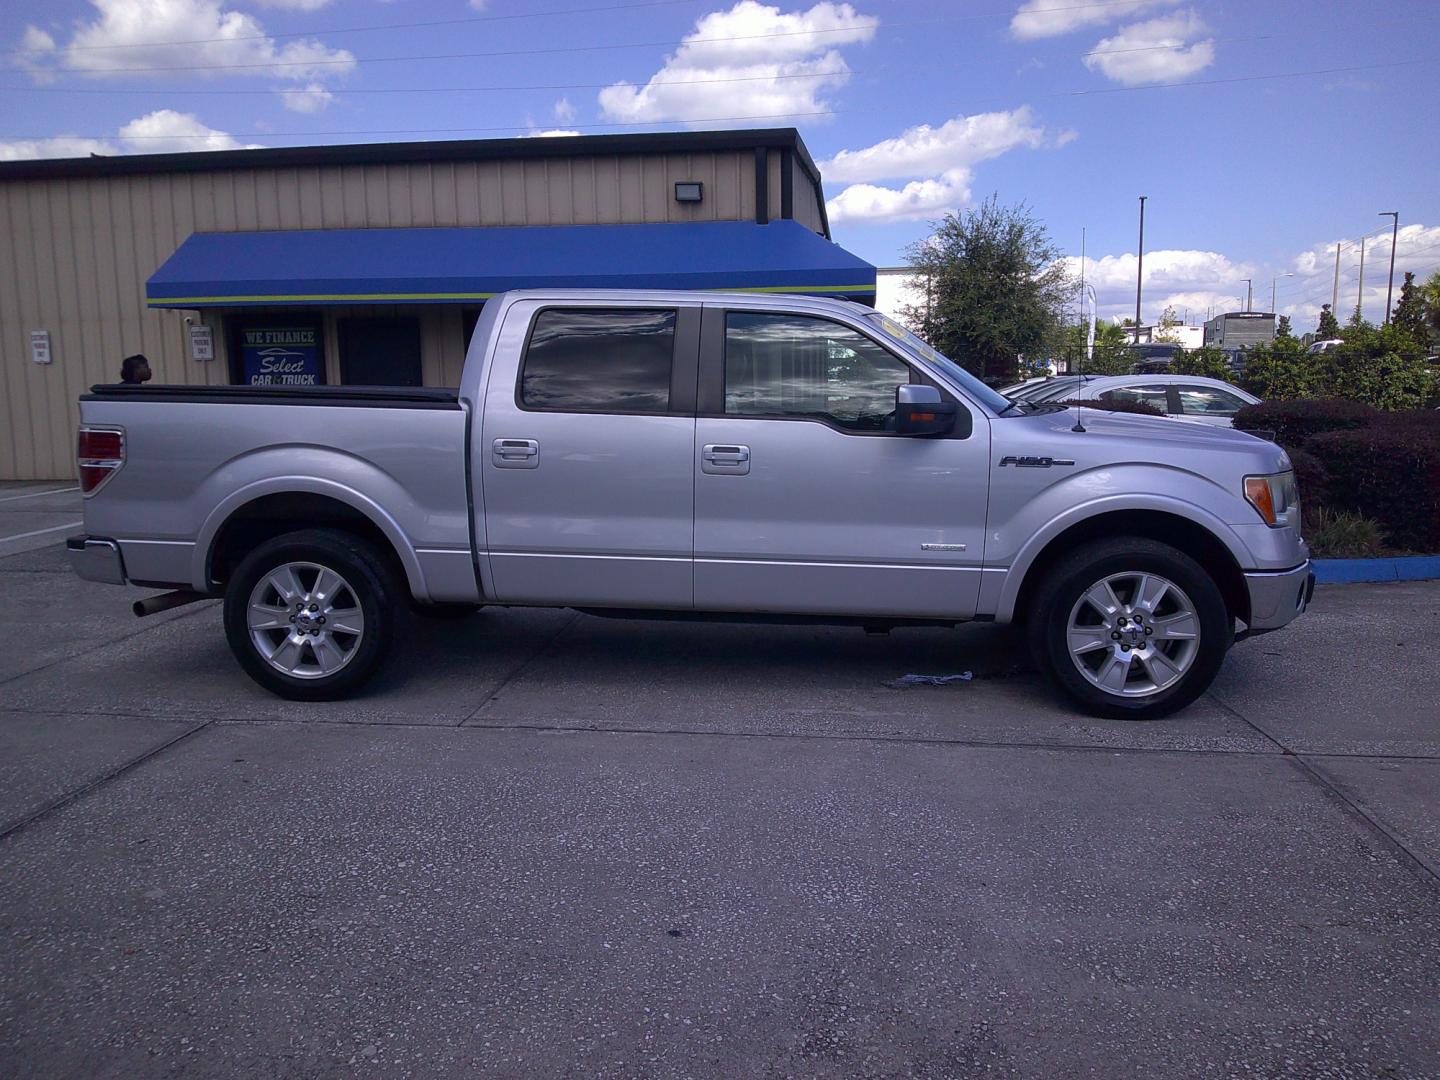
[(102, 257)]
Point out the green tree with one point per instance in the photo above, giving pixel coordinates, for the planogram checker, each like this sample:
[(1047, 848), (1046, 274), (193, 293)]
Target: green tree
[(1430, 293), (1111, 356), (994, 288), (1329, 327), (1165, 329), (1208, 361), (1382, 366), (1280, 370), (1282, 329), (1410, 312)]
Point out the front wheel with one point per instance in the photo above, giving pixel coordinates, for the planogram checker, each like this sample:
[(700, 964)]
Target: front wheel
[(309, 614), (1129, 628)]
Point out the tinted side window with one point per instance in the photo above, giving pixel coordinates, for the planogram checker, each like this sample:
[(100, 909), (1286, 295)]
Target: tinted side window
[(795, 365), (599, 360), (1208, 401), (1150, 395)]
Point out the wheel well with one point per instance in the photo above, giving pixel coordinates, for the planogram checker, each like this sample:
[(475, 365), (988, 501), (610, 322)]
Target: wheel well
[(1194, 540), (274, 515)]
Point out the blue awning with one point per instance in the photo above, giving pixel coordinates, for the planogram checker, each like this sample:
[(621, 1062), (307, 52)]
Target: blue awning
[(468, 265)]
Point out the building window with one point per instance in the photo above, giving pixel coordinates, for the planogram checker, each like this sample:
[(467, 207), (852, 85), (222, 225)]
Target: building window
[(802, 367), (599, 360), (285, 349), (380, 352)]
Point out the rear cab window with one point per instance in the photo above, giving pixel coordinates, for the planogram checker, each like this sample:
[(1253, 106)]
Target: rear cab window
[(609, 360)]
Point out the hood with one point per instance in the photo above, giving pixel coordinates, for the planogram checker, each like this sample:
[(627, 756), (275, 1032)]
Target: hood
[(1112, 436)]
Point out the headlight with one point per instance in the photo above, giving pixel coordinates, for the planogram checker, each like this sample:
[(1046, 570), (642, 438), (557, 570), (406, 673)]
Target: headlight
[(1276, 498)]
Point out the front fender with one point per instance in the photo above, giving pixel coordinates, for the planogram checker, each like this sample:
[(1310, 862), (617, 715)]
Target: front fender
[(329, 473), (1013, 545)]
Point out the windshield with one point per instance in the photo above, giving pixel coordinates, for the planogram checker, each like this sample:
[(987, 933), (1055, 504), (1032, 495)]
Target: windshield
[(974, 387)]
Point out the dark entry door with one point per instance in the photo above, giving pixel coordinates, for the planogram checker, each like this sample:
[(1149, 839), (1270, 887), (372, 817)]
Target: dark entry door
[(380, 352)]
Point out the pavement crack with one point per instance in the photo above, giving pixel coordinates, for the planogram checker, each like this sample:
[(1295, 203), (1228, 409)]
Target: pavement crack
[(1420, 865), (62, 801), (519, 668)]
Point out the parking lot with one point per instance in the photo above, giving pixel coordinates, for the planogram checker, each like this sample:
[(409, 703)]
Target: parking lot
[(548, 844)]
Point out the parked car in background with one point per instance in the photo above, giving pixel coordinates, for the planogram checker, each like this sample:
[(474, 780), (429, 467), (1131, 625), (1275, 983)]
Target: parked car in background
[(1186, 397), (1051, 387)]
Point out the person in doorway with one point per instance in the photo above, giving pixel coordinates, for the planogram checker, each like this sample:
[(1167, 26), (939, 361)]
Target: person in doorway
[(134, 370)]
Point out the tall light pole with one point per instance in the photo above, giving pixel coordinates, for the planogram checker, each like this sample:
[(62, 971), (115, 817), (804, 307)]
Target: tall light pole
[(1360, 291), (1394, 215), (1273, 280), (1249, 291), (1335, 290), (1139, 268)]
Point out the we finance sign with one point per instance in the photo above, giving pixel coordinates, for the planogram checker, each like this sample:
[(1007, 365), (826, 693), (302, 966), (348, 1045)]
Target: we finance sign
[(281, 356)]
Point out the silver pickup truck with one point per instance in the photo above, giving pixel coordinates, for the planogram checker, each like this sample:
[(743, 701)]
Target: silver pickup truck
[(717, 456)]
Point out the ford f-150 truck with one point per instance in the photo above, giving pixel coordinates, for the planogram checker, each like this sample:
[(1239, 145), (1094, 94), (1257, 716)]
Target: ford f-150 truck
[(707, 455)]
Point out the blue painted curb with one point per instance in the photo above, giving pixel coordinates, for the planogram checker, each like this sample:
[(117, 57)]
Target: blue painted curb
[(1405, 568)]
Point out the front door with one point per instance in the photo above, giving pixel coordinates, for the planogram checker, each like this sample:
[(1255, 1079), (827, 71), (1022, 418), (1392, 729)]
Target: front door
[(806, 500), (584, 456)]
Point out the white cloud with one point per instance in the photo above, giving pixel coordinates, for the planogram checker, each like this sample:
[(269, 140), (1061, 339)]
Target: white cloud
[(58, 147), (549, 133), (167, 131), (294, 5), (941, 159), (923, 149), (159, 132), (238, 39), (479, 5), (1050, 18), (1417, 249), (313, 99), (784, 73), (1157, 50), (869, 203), (564, 111), (1178, 278)]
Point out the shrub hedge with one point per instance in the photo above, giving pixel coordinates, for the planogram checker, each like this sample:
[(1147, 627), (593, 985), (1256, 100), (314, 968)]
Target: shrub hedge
[(1294, 422), (1353, 458), (1387, 472)]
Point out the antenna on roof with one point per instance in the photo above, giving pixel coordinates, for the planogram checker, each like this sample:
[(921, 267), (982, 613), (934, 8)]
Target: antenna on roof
[(1089, 350)]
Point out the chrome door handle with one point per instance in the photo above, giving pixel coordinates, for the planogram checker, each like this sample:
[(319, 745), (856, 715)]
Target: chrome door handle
[(726, 455), (725, 460), (515, 453)]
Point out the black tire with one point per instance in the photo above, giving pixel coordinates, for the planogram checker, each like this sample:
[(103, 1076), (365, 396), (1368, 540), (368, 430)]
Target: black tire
[(1058, 593), (372, 585)]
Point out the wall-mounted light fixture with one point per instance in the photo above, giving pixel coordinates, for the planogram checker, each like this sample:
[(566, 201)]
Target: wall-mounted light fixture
[(689, 191)]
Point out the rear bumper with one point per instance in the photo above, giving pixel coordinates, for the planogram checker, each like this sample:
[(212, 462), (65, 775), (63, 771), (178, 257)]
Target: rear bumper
[(1277, 597), (96, 559)]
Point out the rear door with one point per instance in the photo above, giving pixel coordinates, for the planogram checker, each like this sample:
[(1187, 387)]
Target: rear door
[(585, 455), (806, 500)]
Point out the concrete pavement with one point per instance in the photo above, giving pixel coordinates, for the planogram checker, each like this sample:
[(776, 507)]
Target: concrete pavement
[(550, 844)]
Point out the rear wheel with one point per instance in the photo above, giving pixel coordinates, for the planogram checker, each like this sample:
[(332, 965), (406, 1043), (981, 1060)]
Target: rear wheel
[(1129, 628), (309, 615)]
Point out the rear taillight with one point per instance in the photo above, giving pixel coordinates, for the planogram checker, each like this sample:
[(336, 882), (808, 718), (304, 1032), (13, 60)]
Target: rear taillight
[(100, 452)]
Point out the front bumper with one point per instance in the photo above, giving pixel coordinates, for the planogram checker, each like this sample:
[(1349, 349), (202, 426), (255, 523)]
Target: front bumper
[(96, 559), (1276, 597)]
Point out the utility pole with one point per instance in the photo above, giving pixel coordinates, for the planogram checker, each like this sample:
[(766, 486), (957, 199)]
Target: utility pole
[(1249, 291), (1360, 293), (1139, 268), (1335, 289), (1394, 215)]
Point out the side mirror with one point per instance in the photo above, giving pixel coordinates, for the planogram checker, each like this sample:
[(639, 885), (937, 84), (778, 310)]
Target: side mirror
[(919, 411)]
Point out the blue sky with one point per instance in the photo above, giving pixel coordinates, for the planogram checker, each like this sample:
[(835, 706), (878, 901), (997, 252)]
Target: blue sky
[(911, 108)]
